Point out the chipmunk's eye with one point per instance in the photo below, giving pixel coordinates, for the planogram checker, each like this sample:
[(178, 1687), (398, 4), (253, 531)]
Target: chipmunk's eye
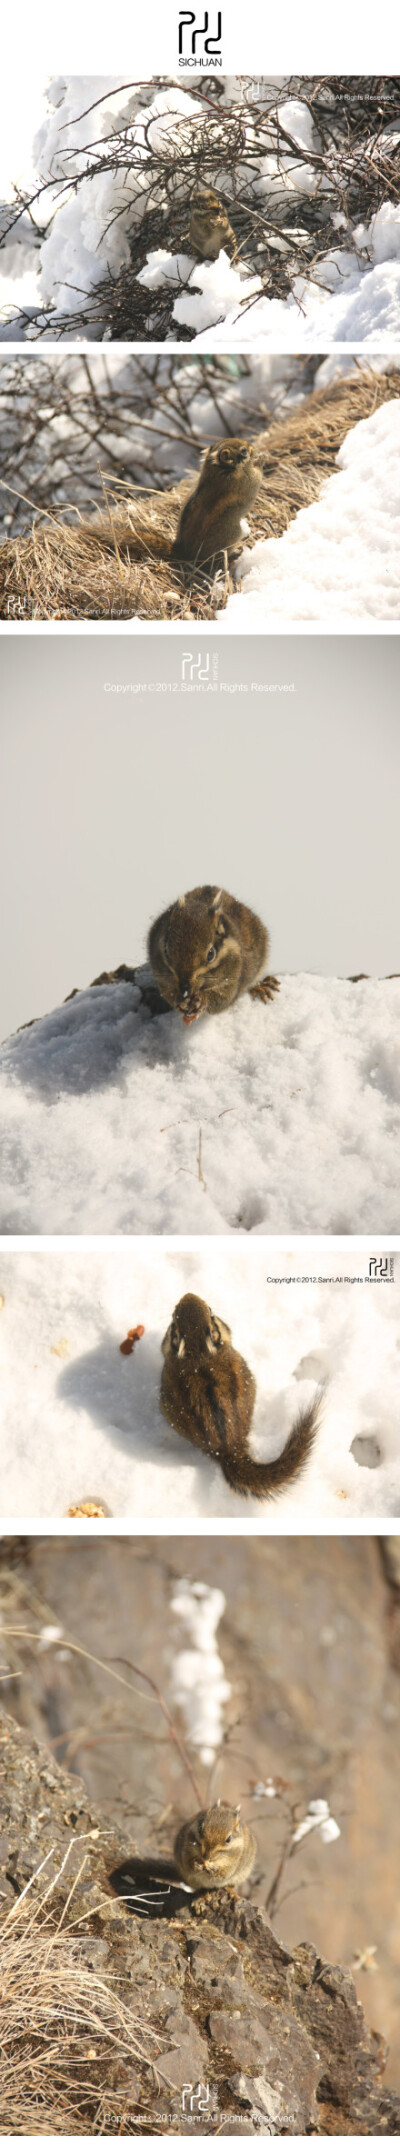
[(229, 1837), (210, 953)]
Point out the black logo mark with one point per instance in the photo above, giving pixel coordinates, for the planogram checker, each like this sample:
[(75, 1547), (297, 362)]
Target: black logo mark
[(203, 49)]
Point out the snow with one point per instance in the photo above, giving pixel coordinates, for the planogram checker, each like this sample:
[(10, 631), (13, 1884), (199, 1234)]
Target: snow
[(198, 1680), (318, 1820), (81, 1420), (290, 175), (350, 298), (90, 230), (354, 296), (76, 249), (297, 1102), (223, 291), (340, 556)]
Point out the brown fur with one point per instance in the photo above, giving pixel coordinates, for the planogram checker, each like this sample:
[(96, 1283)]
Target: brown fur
[(206, 950), (209, 227), (210, 520), (208, 1395), (216, 1848)]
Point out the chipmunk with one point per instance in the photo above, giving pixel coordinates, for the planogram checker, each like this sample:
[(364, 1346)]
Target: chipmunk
[(211, 519), (215, 1849), (209, 228), (206, 950), (208, 1395)]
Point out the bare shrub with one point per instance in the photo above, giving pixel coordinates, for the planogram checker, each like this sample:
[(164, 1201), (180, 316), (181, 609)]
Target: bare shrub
[(355, 166)]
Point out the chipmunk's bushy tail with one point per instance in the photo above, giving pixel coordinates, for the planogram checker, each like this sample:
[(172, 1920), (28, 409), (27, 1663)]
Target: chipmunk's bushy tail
[(264, 1478)]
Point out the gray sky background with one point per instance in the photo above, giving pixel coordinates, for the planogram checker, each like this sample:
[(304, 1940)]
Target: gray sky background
[(111, 805)]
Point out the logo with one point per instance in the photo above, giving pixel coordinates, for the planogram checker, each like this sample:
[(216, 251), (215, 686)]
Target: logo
[(381, 1268), (200, 45), (192, 667), (200, 673), (196, 2100)]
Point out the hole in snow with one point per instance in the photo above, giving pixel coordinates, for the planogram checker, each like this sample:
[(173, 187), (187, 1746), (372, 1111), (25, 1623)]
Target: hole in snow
[(311, 1365), (367, 1451), (251, 1213)]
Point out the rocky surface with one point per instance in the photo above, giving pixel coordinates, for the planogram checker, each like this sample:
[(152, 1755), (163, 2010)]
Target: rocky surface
[(244, 2035), (308, 1646)]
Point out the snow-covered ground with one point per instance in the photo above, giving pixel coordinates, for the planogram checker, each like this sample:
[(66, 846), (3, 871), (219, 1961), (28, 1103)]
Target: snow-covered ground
[(354, 295), (351, 299), (81, 1420), (341, 556), (297, 1104)]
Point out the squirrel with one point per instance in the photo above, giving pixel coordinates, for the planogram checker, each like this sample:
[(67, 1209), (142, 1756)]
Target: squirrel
[(215, 1849), (211, 518), (206, 950), (209, 228), (208, 1395)]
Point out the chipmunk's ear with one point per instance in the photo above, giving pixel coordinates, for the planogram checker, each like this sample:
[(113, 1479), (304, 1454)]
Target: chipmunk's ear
[(218, 918), (172, 1344), (164, 939)]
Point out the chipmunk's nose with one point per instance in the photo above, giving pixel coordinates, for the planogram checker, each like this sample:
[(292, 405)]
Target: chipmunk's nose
[(189, 1004)]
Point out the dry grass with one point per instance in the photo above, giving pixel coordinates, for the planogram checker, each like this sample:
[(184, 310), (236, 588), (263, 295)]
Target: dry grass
[(70, 2049), (117, 566)]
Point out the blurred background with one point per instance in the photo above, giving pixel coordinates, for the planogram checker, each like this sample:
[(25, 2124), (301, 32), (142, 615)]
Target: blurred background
[(145, 418), (122, 786), (266, 1670)]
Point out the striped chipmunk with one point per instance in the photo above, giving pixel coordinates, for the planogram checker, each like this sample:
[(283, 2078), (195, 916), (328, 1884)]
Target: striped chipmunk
[(215, 1849), (206, 950), (208, 1395), (210, 229), (213, 517)]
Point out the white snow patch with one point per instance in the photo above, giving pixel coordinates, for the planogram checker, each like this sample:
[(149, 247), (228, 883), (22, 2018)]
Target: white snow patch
[(198, 1681), (340, 556), (353, 297), (298, 1104), (223, 296), (288, 175), (318, 1820)]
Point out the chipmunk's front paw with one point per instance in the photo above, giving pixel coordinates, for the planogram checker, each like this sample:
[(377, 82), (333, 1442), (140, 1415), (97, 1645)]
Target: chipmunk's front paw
[(267, 988)]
